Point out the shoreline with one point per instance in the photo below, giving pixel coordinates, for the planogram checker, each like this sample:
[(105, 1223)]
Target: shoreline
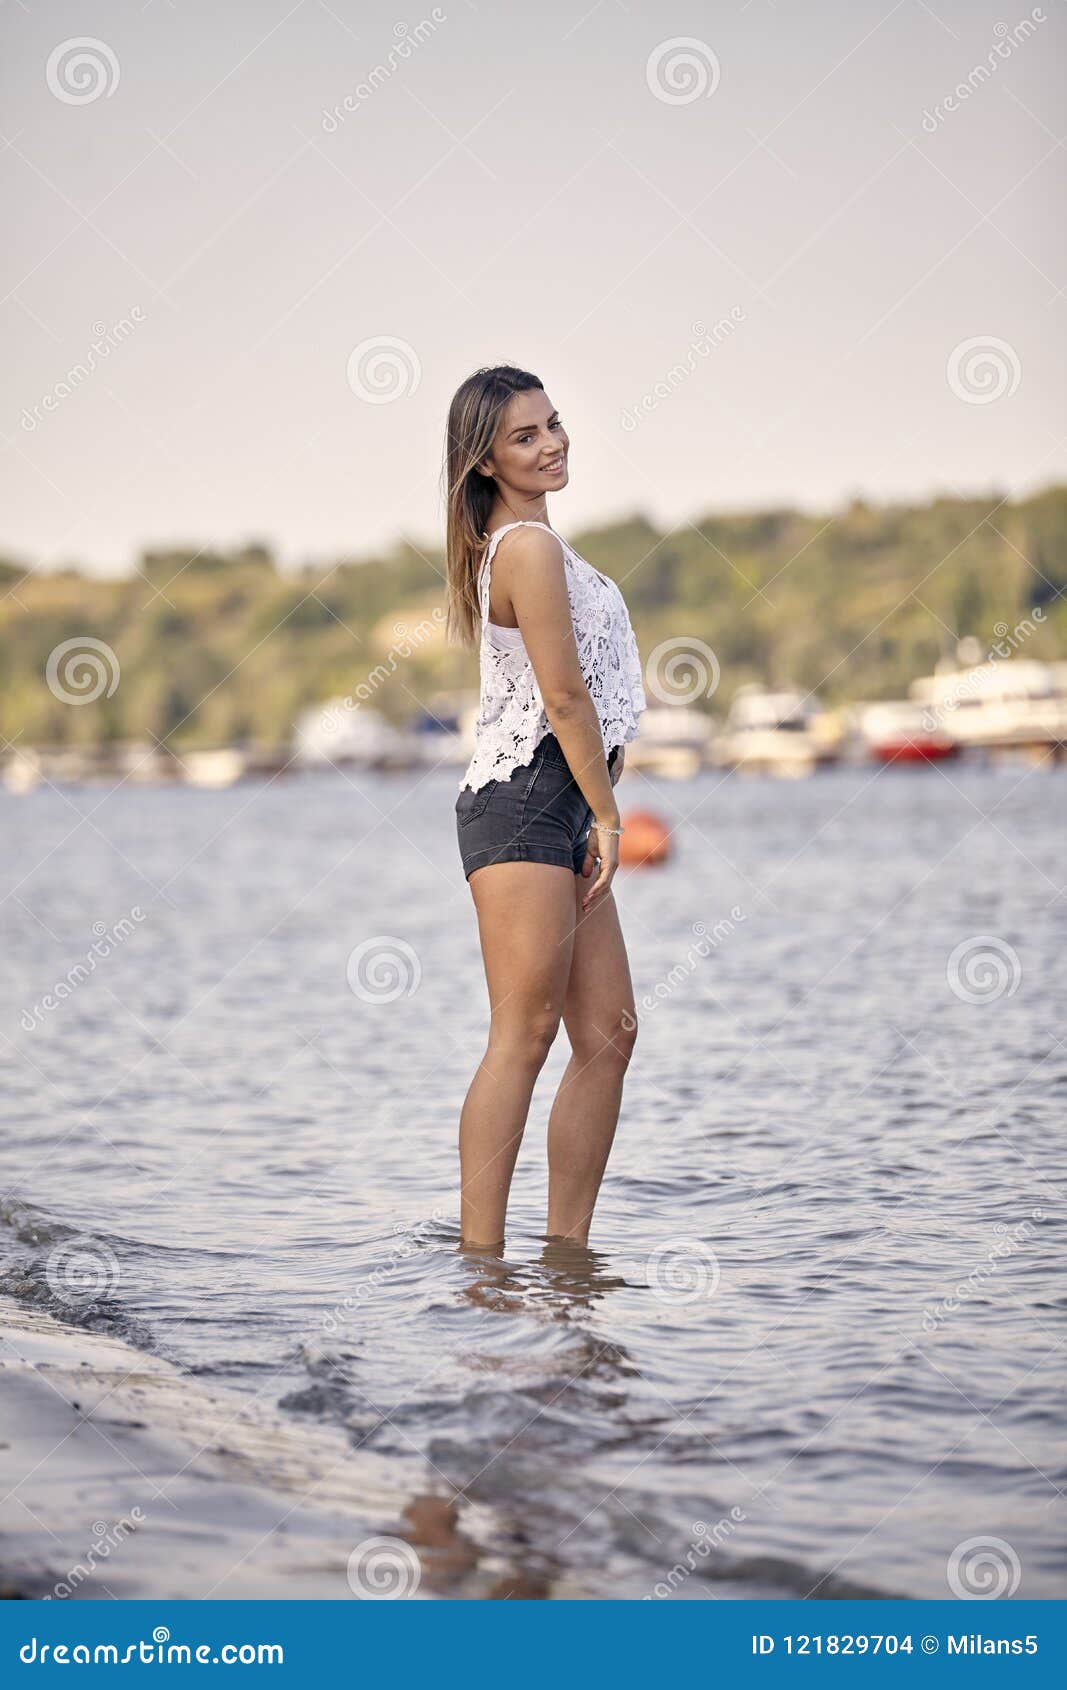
[(124, 1478)]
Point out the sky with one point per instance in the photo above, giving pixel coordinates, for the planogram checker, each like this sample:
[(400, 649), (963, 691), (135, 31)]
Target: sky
[(759, 254)]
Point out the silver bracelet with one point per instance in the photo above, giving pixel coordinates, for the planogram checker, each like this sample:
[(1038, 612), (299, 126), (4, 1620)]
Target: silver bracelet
[(600, 828)]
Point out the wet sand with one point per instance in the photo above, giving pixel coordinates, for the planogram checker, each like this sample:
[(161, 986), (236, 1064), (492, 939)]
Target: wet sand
[(124, 1478)]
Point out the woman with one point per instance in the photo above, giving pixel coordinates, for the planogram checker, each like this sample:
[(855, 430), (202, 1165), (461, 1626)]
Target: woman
[(561, 694)]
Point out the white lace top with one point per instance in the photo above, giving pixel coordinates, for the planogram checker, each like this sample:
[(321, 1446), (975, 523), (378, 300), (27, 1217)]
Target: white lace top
[(511, 720)]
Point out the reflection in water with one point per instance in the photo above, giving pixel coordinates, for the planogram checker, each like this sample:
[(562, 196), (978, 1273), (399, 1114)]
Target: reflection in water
[(565, 1277), (563, 1282)]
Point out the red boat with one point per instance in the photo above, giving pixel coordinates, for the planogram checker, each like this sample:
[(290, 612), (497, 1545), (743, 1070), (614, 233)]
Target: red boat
[(902, 732)]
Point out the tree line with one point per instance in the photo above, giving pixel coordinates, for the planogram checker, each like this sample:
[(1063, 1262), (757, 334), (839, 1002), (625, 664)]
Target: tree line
[(215, 647)]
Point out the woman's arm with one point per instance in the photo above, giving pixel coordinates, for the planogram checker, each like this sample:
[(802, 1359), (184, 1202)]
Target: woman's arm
[(533, 577)]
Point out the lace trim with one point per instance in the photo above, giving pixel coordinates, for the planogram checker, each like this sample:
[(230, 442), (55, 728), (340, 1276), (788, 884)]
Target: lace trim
[(511, 720)]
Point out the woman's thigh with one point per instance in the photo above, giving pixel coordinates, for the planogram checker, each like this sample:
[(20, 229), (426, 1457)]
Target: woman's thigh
[(526, 922)]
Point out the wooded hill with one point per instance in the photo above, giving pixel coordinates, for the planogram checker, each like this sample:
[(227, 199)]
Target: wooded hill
[(216, 648)]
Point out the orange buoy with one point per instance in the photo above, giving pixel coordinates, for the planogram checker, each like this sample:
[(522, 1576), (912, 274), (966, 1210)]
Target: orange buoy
[(645, 841)]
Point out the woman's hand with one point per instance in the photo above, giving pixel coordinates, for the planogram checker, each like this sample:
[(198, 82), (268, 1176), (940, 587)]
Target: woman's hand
[(607, 851)]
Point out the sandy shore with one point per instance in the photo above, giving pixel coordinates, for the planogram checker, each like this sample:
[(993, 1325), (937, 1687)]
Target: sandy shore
[(123, 1477)]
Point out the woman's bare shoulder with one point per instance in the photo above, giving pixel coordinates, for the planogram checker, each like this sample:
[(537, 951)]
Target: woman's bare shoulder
[(531, 548)]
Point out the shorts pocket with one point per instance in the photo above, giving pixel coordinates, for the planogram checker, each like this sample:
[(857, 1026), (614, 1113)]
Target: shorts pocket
[(469, 805), (555, 788)]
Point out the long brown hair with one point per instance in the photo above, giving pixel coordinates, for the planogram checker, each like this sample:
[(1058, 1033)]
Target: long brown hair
[(473, 419)]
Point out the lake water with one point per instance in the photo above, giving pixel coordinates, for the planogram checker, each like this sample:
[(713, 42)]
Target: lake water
[(816, 1345)]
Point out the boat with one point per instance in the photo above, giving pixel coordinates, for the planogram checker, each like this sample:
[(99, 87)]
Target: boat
[(340, 732), (216, 768), (438, 735), (1009, 705), (144, 763), (900, 732), (22, 772), (785, 733), (674, 741)]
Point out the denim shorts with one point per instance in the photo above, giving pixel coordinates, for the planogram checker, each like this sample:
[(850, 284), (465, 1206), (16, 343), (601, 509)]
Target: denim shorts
[(537, 814)]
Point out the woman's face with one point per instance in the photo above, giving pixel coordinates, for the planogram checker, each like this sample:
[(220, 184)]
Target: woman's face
[(529, 454)]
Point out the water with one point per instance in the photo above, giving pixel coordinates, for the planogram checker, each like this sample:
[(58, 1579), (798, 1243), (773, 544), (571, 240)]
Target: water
[(815, 1345)]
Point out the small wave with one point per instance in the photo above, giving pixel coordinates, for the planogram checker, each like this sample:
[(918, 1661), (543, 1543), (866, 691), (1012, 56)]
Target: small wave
[(44, 1274), (26, 1283), (31, 1225)]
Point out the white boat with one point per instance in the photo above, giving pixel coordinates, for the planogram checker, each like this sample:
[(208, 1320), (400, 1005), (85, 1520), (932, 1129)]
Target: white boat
[(786, 733), (674, 741), (145, 764), (221, 767), (1012, 704), (22, 772), (340, 731)]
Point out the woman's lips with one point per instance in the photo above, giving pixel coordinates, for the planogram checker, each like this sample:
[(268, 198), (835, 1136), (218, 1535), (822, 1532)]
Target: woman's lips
[(553, 468)]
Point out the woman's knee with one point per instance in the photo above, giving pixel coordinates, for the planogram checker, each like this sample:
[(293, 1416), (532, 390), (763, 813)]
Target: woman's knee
[(526, 1041), (611, 1038)]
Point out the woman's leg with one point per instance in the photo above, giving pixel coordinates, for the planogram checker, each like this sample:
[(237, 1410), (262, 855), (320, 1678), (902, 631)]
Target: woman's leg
[(601, 1023), (526, 914)]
